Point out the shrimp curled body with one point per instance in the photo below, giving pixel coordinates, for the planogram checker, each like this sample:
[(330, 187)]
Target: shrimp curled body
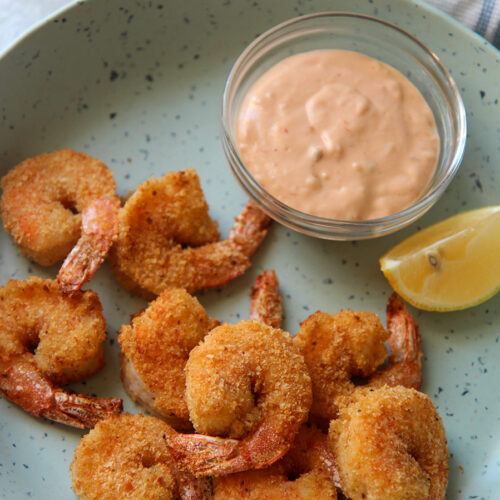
[(340, 347), (44, 203), (247, 382), (155, 348), (302, 474), (166, 238), (126, 457), (66, 334), (389, 444)]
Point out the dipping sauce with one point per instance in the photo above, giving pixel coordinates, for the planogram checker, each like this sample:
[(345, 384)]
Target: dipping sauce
[(338, 134)]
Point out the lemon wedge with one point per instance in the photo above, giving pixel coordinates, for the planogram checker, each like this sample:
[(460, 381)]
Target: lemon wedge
[(448, 266)]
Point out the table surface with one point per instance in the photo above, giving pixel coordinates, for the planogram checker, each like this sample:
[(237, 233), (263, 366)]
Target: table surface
[(20, 15), (16, 16)]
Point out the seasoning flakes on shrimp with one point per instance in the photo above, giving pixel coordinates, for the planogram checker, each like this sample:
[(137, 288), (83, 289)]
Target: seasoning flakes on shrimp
[(47, 340), (126, 457), (51, 201), (249, 383), (302, 474), (344, 347), (166, 238), (389, 444), (155, 347)]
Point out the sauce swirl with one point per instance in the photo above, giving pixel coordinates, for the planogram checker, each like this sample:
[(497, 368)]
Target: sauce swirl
[(338, 134)]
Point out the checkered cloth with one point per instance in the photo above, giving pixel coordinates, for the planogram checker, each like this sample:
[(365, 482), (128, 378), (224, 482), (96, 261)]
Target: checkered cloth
[(483, 16)]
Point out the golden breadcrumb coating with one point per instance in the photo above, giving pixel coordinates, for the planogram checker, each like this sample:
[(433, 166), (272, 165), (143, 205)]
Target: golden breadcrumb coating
[(157, 343), (337, 347), (65, 332), (47, 340), (389, 444), (246, 381), (300, 475), (162, 215), (167, 238), (243, 374), (43, 198), (124, 457)]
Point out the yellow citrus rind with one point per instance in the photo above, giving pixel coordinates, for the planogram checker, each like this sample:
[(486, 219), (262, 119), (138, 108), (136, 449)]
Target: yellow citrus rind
[(449, 266)]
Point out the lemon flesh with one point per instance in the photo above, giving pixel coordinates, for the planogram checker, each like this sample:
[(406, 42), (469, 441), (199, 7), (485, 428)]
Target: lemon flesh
[(451, 265)]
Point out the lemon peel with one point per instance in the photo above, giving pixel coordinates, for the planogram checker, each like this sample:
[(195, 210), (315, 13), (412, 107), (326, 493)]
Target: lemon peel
[(451, 265)]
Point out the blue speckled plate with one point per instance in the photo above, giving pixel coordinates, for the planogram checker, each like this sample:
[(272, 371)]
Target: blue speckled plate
[(138, 84)]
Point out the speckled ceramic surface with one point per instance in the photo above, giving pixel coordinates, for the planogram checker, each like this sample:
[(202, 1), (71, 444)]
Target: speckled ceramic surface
[(138, 84)]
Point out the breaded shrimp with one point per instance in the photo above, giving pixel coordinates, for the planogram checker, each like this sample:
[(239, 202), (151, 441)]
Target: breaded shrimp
[(45, 200), (126, 457), (166, 238), (338, 348), (247, 382), (65, 334), (302, 474), (389, 444), (156, 346)]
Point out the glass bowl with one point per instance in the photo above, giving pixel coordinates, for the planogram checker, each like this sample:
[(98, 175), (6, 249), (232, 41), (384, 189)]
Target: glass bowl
[(375, 38)]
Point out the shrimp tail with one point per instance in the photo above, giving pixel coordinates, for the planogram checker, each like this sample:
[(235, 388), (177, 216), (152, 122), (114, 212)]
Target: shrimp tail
[(265, 302), (213, 456), (84, 411), (24, 384), (99, 231), (404, 341), (249, 229), (200, 454), (214, 264)]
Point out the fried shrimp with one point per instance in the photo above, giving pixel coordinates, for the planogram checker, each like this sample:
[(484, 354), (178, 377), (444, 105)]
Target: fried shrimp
[(389, 444), (166, 238), (155, 346), (47, 340), (247, 382), (126, 457), (44, 203), (338, 348), (302, 474)]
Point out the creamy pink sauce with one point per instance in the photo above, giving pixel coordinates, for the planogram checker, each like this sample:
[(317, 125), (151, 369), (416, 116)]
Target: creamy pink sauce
[(338, 134)]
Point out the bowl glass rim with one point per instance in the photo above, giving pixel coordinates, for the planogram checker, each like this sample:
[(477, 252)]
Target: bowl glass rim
[(311, 224)]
